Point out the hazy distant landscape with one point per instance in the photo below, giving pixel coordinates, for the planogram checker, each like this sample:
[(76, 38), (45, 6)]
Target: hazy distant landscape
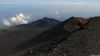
[(38, 11)]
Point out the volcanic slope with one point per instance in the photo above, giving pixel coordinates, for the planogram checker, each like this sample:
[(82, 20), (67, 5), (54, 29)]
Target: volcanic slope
[(85, 42), (55, 35)]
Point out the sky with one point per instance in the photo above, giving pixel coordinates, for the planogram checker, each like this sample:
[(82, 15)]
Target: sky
[(63, 6), (36, 9), (47, 1)]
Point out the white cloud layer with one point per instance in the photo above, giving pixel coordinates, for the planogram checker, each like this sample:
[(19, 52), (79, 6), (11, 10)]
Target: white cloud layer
[(16, 20), (6, 22), (19, 19), (79, 3)]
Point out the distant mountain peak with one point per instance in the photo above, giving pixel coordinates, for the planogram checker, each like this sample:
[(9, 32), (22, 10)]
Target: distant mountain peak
[(44, 22), (50, 19)]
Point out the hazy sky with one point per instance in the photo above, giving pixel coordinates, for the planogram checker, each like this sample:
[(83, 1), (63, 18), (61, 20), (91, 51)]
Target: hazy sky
[(59, 9), (47, 1)]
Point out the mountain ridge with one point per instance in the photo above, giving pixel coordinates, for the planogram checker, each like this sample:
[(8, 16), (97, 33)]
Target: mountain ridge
[(49, 35), (41, 23), (57, 40), (84, 42)]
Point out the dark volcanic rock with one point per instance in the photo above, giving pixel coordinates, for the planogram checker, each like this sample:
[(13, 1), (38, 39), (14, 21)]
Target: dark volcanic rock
[(55, 35), (12, 37), (84, 42)]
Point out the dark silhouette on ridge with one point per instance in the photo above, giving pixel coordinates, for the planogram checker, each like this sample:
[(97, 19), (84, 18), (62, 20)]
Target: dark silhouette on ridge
[(41, 23)]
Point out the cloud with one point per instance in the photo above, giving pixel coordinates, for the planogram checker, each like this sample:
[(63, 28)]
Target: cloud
[(20, 19), (57, 12), (16, 20), (79, 3), (6, 22)]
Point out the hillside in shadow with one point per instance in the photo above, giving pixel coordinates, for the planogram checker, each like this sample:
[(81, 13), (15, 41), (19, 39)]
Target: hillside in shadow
[(47, 41), (84, 42), (63, 39), (12, 37)]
